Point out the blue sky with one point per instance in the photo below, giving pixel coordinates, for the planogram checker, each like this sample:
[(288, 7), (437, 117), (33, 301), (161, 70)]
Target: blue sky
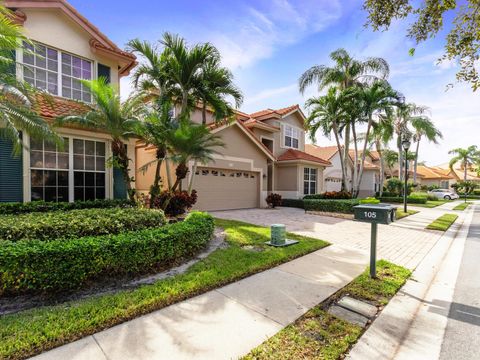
[(269, 43)]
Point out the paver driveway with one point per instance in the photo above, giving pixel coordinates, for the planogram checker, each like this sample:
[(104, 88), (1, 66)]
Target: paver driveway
[(404, 242)]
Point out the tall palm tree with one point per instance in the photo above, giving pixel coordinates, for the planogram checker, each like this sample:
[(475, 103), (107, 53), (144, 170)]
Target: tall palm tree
[(391, 158), (467, 157), (120, 119), (327, 113), (423, 127), (346, 72), (382, 134), (16, 97)]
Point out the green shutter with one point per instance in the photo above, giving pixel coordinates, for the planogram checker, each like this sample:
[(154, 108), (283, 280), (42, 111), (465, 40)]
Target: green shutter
[(104, 71), (119, 186), (11, 174)]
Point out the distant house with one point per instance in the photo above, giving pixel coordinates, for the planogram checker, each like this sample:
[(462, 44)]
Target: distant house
[(66, 48), (457, 173)]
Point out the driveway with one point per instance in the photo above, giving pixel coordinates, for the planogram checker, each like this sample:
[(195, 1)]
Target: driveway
[(404, 242)]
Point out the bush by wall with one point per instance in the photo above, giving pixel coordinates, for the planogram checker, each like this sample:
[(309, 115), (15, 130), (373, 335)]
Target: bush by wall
[(32, 266), (369, 200), (329, 205), (399, 199), (273, 200), (330, 195), (77, 223), (296, 203), (42, 206)]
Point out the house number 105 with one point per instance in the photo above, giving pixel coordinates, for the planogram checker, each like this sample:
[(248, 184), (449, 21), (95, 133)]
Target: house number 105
[(370, 214)]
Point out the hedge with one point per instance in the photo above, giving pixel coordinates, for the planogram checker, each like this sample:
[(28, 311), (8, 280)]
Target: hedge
[(296, 203), (399, 199), (42, 206), (33, 266), (77, 223), (330, 205)]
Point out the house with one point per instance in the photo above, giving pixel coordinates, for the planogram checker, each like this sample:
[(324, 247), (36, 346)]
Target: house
[(432, 176), (264, 153), (457, 173), (370, 183), (66, 49)]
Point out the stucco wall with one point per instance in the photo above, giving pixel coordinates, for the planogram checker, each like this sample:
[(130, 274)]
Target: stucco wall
[(293, 120), (286, 178)]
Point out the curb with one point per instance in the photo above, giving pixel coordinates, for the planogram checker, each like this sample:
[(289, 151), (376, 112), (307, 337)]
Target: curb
[(410, 326)]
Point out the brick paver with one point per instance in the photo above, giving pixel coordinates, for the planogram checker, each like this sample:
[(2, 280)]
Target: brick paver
[(405, 242)]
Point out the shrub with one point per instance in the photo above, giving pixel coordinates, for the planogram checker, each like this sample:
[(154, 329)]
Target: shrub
[(369, 200), (296, 203), (429, 197), (64, 265), (399, 199), (77, 223), (273, 200), (329, 205), (330, 195), (394, 186), (175, 203), (42, 206)]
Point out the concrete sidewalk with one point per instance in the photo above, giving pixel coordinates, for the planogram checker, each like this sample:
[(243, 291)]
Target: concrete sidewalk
[(228, 322)]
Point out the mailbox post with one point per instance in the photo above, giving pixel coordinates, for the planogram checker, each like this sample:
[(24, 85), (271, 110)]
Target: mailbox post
[(374, 214)]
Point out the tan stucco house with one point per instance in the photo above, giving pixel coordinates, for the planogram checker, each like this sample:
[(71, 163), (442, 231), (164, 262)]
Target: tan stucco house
[(264, 152), (66, 49)]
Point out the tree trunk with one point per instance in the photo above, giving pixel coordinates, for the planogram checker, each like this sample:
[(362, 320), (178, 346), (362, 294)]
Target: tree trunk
[(415, 164), (119, 151), (465, 170), (204, 113), (169, 172), (183, 109), (355, 186), (346, 155), (181, 172), (342, 163), (364, 150), (382, 167), (192, 176)]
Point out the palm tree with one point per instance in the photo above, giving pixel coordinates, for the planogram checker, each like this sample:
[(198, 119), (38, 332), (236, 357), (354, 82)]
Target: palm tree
[(327, 113), (345, 73), (120, 119), (16, 97), (467, 157), (424, 127), (382, 133), (391, 158)]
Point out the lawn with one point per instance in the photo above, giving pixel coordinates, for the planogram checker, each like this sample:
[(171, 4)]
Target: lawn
[(401, 214), (33, 331), (443, 222), (431, 203), (462, 206), (319, 335)]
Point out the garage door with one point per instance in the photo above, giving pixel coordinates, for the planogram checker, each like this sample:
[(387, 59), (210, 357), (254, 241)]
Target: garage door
[(226, 189)]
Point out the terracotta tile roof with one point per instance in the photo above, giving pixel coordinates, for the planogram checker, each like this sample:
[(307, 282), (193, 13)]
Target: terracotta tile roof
[(367, 164), (323, 152), (432, 173), (275, 113), (293, 154), (250, 123), (51, 107)]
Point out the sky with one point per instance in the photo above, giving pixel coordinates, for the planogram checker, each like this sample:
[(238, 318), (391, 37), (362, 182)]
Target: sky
[(268, 44)]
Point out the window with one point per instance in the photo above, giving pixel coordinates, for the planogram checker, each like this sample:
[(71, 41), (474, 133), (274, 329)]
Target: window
[(57, 72), (89, 169), (292, 136), (309, 181)]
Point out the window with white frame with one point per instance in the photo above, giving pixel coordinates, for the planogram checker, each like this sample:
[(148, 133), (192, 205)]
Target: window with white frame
[(291, 136), (309, 181), (57, 72), (52, 168)]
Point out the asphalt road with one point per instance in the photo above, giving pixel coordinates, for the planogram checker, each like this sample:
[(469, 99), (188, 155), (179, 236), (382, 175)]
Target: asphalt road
[(462, 336)]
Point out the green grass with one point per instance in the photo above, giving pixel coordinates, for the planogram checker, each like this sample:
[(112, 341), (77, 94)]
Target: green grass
[(443, 222), (319, 335), (431, 203), (33, 331), (401, 214), (462, 206)]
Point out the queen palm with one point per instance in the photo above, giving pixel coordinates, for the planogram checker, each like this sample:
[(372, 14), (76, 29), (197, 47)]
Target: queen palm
[(424, 128), (467, 157), (120, 119), (327, 113), (16, 97), (345, 73), (391, 158)]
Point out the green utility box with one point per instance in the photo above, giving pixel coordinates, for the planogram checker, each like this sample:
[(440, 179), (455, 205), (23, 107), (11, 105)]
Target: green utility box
[(375, 213)]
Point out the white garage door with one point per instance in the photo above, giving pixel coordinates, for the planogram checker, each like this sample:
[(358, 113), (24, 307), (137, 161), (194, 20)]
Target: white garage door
[(226, 189)]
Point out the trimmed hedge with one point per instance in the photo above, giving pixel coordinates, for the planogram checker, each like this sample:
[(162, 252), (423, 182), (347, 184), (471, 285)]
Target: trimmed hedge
[(32, 266), (330, 205), (399, 199), (42, 206), (296, 203), (77, 223)]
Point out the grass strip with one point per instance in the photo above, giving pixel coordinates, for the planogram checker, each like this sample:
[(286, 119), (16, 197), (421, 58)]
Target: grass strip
[(319, 335), (462, 206), (431, 203), (401, 214), (33, 331), (443, 222)]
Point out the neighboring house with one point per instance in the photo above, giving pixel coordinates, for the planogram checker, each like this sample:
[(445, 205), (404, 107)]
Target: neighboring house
[(370, 183), (432, 176), (67, 48), (264, 152), (457, 173)]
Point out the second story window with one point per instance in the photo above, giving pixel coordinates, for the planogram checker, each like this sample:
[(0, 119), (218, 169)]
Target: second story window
[(292, 136), (57, 72)]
